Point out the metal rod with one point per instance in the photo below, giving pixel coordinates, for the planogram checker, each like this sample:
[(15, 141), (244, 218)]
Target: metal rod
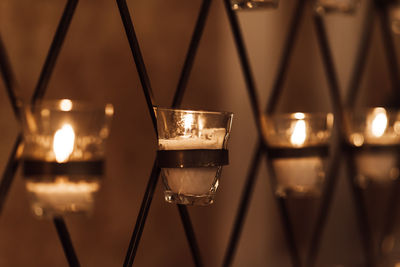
[(66, 242), (142, 216), (324, 209), (361, 212), (9, 172), (287, 53), (330, 71), (248, 189), (243, 207), (187, 225), (329, 188), (9, 79), (244, 62), (390, 218), (187, 67), (361, 57), (137, 56), (284, 213), (54, 51), (390, 51), (191, 53)]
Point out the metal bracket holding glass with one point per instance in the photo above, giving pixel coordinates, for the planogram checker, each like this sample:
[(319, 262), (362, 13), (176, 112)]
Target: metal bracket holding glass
[(298, 145), (192, 148), (63, 158)]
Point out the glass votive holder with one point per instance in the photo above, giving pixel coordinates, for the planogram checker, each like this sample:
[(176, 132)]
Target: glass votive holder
[(298, 145), (336, 6), (63, 158), (375, 135), (394, 16), (253, 4), (191, 152)]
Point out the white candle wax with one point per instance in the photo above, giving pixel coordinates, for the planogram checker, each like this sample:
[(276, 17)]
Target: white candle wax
[(380, 168), (193, 181), (62, 195), (299, 175)]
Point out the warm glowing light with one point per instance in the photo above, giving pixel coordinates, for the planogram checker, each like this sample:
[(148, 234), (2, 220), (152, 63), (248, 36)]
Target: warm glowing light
[(379, 122), (299, 115), (62, 186), (188, 121), (66, 105), (299, 133), (63, 143)]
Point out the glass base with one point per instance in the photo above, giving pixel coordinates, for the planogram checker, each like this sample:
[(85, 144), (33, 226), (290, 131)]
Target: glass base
[(252, 4), (49, 212), (298, 191), (186, 199)]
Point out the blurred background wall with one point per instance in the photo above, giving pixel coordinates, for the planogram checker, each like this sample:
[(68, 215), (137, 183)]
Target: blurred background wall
[(96, 65)]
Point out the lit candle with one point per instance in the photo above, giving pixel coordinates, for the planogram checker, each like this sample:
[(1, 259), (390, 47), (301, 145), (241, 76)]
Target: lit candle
[(192, 181), (303, 175), (62, 195), (64, 155), (191, 130), (380, 167)]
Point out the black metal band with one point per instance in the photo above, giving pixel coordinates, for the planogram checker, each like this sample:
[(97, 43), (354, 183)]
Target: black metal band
[(369, 148), (314, 151), (39, 167), (192, 158)]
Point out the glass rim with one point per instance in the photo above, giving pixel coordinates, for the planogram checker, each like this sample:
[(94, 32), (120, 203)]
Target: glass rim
[(301, 115), (70, 105), (226, 113), (367, 110)]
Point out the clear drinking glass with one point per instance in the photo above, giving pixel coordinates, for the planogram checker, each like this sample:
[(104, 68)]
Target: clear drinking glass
[(180, 129), (300, 141), (63, 158), (253, 4), (336, 6)]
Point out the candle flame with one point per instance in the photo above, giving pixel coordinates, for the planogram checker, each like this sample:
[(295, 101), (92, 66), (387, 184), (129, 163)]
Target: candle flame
[(379, 122), (187, 121), (299, 133), (66, 105), (63, 143)]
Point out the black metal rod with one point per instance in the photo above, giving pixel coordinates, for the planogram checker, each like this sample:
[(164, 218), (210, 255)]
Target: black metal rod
[(9, 172), (9, 79), (330, 71), (252, 172), (66, 242), (187, 225), (244, 62), (390, 218), (54, 51), (187, 67), (284, 213), (137, 56), (324, 209), (142, 216), (191, 54), (390, 50), (243, 207), (361, 212), (287, 53), (361, 57)]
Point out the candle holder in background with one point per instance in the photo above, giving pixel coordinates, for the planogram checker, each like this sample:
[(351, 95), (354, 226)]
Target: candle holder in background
[(336, 6), (375, 135), (394, 16), (253, 4), (191, 152), (63, 159), (298, 145)]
